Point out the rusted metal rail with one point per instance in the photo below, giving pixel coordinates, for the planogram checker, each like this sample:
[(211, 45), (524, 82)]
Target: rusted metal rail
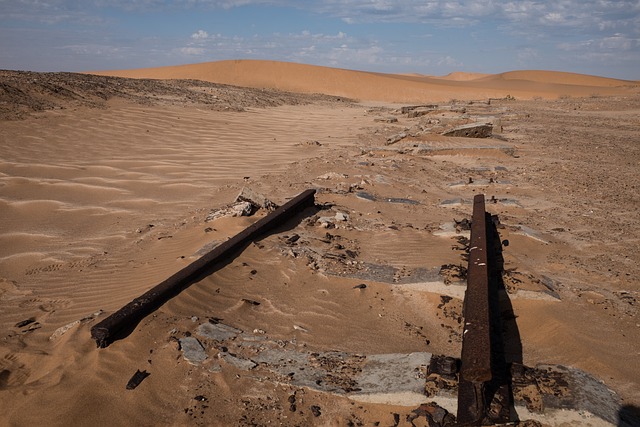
[(476, 368), (125, 319)]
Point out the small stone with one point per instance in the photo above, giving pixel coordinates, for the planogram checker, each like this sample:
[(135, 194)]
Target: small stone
[(396, 138), (315, 410), (332, 175), (257, 200), (136, 379), (342, 217)]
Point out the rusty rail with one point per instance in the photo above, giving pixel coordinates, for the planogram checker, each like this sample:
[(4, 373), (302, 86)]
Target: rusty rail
[(476, 369), (131, 314)]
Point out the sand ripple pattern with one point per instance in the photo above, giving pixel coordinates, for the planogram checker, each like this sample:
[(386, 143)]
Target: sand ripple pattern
[(75, 189)]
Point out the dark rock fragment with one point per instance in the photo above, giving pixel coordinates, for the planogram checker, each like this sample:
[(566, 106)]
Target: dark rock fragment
[(136, 379), (315, 410)]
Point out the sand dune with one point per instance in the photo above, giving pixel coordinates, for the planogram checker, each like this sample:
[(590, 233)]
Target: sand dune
[(464, 76), (385, 87)]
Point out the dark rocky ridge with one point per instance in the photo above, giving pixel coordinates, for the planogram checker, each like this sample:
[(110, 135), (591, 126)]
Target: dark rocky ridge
[(24, 92)]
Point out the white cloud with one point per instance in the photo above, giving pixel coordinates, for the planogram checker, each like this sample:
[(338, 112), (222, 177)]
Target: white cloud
[(617, 42), (200, 35), (196, 51), (448, 61), (93, 49)]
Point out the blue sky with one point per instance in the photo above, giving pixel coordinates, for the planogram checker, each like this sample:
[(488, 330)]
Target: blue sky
[(599, 37)]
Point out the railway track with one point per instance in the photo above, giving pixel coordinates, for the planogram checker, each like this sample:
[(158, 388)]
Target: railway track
[(491, 387), (484, 384)]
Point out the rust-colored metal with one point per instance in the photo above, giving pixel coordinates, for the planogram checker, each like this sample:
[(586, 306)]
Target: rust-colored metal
[(476, 341), (476, 338), (131, 314)]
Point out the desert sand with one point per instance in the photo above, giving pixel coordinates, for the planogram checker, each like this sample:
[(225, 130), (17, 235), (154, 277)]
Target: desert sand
[(107, 186), (365, 86)]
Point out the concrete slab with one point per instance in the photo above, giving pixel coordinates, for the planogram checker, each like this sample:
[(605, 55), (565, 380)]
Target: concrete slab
[(192, 350), (395, 379), (217, 331)]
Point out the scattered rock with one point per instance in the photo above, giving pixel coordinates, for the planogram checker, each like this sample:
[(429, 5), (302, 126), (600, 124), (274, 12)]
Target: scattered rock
[(472, 130), (326, 221), (434, 415), (136, 379), (332, 175), (257, 200), (342, 217), (63, 330), (292, 240), (234, 210), (396, 138), (408, 109), (386, 119)]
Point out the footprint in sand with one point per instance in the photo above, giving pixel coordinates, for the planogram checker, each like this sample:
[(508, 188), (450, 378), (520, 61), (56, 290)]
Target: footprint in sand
[(12, 372), (45, 269), (45, 304), (72, 265)]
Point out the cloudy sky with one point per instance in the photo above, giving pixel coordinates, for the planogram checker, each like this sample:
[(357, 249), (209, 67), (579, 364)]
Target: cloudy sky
[(598, 37)]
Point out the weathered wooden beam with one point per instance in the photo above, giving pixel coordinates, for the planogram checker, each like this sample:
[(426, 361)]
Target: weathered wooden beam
[(131, 314)]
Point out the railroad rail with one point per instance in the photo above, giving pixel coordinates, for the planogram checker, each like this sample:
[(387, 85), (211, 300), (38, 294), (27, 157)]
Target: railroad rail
[(483, 388), (125, 319)]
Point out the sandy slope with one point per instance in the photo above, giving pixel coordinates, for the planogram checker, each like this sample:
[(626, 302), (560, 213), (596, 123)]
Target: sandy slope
[(385, 87), (99, 203)]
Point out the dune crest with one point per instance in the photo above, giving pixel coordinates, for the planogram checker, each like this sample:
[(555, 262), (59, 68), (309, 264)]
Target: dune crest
[(464, 76), (369, 86)]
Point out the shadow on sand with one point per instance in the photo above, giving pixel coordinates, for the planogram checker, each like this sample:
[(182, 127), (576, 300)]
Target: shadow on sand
[(506, 345)]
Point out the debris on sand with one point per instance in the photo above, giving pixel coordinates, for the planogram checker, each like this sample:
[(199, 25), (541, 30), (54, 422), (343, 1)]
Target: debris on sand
[(472, 130)]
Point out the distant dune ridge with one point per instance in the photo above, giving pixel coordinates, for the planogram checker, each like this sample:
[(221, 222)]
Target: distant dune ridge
[(385, 87)]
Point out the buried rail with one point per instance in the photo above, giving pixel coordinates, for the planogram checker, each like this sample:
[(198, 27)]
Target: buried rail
[(131, 314), (476, 368)]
